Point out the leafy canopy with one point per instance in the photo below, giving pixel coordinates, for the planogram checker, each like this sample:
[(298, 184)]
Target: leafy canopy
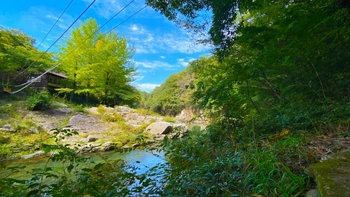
[(99, 65)]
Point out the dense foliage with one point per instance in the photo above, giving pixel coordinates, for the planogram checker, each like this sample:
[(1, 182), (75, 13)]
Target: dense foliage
[(280, 71), (173, 95), (98, 65), (18, 57), (68, 174)]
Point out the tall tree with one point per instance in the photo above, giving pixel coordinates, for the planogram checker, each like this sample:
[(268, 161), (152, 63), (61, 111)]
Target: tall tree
[(18, 55), (98, 64)]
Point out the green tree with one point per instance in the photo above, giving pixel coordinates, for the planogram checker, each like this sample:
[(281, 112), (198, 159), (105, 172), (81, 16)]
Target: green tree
[(173, 95), (18, 56), (99, 64)]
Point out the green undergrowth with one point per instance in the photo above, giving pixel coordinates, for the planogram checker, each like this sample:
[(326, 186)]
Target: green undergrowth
[(213, 163), (68, 174)]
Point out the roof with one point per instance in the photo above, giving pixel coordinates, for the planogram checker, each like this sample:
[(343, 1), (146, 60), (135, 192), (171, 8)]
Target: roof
[(58, 74)]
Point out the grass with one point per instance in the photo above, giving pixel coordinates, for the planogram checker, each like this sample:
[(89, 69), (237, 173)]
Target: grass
[(169, 119), (21, 143), (145, 112)]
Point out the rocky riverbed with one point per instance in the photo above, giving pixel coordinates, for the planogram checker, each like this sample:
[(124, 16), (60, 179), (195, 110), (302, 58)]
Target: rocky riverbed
[(106, 128)]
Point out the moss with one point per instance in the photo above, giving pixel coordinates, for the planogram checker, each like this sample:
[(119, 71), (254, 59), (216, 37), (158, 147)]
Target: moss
[(333, 176)]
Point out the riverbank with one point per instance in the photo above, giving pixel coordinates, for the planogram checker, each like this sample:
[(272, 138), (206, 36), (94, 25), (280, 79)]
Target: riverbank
[(96, 129)]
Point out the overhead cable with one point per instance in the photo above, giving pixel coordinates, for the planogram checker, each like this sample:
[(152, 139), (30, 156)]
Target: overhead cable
[(58, 38), (55, 23), (50, 69), (127, 18), (33, 80), (102, 26)]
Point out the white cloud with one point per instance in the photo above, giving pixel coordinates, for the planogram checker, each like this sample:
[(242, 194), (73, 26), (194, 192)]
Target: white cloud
[(134, 27), (138, 78), (151, 42), (163, 57), (184, 62), (154, 65), (148, 87), (39, 19)]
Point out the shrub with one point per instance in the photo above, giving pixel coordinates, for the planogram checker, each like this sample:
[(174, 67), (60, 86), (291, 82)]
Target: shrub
[(40, 101)]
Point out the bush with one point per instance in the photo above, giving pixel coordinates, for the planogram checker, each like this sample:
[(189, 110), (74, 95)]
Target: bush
[(38, 102)]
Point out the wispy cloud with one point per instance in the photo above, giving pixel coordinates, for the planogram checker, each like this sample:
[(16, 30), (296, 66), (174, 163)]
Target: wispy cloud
[(154, 65), (148, 87), (184, 62), (41, 18), (148, 42)]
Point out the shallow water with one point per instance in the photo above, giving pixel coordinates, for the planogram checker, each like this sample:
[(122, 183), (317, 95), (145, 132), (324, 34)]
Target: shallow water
[(142, 159)]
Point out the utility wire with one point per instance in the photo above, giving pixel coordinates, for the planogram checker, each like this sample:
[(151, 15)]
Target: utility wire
[(33, 80), (58, 38), (127, 18), (101, 27), (55, 23)]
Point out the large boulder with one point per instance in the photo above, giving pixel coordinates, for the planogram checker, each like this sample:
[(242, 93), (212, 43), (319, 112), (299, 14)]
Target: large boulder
[(333, 175), (159, 128)]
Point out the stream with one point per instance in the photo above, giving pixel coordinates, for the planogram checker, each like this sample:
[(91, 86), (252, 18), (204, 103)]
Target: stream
[(142, 159)]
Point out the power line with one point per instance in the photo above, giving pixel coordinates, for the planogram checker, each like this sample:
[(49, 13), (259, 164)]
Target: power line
[(58, 38), (127, 18), (102, 26), (55, 23), (33, 80)]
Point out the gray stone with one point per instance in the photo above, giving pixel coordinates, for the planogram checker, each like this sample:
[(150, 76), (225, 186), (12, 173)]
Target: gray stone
[(33, 130), (135, 145), (126, 147), (95, 149), (108, 146), (313, 193), (36, 154), (150, 141), (158, 128), (180, 127), (88, 148), (7, 128), (91, 138), (80, 119), (62, 111), (84, 149), (332, 176), (123, 109)]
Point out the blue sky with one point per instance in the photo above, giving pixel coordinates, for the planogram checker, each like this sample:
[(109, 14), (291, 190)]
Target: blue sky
[(161, 47)]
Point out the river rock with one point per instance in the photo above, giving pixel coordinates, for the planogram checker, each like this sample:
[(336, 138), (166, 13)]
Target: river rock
[(313, 193), (333, 175), (108, 146), (91, 138), (88, 148), (7, 128), (36, 154), (159, 128), (180, 127), (123, 109), (33, 130)]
